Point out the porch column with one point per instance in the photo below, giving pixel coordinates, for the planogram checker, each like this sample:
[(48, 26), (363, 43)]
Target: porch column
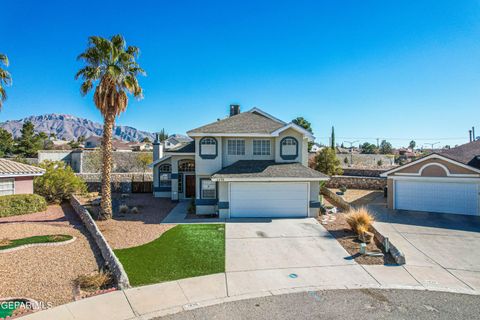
[(174, 179)]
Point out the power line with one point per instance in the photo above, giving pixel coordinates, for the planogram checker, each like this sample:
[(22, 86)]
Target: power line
[(417, 139)]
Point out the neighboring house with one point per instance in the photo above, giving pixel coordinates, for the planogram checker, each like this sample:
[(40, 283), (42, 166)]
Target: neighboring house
[(316, 147), (176, 141), (447, 182), (141, 146), (16, 177), (250, 164), (93, 142)]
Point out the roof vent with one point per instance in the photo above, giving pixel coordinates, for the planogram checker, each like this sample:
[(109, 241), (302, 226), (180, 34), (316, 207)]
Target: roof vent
[(234, 109)]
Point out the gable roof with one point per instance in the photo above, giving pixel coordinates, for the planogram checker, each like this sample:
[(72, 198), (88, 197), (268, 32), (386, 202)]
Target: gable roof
[(268, 169), (9, 168), (430, 156), (184, 148), (246, 122)]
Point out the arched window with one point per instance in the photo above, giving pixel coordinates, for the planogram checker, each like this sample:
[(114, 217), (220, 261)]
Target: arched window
[(289, 148), (165, 175), (186, 165), (208, 148)]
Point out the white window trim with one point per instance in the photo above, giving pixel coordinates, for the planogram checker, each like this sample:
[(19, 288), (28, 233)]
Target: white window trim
[(236, 153), (9, 179), (261, 141)]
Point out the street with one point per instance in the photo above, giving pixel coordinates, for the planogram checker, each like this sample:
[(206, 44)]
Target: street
[(345, 305)]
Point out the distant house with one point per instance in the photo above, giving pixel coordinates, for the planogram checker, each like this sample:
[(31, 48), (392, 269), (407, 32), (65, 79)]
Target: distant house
[(17, 178), (93, 142), (175, 141), (316, 147), (446, 182), (141, 146)]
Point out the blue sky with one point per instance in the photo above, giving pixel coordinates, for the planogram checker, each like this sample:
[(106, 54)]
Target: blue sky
[(373, 69)]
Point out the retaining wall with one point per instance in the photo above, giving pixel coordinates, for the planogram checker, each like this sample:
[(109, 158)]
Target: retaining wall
[(367, 183), (110, 258), (338, 201)]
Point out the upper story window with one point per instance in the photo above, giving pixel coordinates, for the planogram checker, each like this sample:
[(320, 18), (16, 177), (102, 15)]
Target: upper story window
[(289, 148), (261, 147), (186, 166), (235, 147), (208, 148)]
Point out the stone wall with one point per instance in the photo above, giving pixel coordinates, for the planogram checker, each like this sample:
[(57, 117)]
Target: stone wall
[(122, 162), (367, 183), (360, 160), (121, 182), (363, 172), (111, 260)]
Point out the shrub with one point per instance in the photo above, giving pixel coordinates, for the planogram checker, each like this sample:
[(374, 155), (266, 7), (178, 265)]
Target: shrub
[(123, 208), (59, 182), (343, 189), (94, 281), (359, 220), (135, 210), (17, 204), (326, 161)]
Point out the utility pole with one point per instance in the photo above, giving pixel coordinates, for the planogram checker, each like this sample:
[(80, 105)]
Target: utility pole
[(351, 149), (378, 145), (432, 144)]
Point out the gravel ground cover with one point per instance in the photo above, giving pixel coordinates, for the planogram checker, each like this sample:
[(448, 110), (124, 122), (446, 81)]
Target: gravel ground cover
[(130, 229), (361, 197), (46, 273)]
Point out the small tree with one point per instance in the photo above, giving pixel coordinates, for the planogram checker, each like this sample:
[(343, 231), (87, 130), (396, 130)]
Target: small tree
[(386, 147), (412, 144), (380, 163), (345, 160), (29, 143), (326, 161), (368, 148), (302, 122), (144, 159), (58, 183), (332, 139), (6, 142)]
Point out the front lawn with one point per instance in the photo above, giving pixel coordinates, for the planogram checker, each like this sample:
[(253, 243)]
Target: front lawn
[(9, 244), (182, 252)]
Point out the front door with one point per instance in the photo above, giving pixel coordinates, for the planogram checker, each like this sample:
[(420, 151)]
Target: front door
[(189, 186)]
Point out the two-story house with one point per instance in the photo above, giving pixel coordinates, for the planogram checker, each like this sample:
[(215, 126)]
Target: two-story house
[(250, 164)]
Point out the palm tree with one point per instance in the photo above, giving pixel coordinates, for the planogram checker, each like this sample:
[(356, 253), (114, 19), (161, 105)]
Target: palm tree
[(110, 66), (5, 79)]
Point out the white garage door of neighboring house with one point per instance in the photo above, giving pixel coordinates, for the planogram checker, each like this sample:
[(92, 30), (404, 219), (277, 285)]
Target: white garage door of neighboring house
[(452, 197), (268, 199)]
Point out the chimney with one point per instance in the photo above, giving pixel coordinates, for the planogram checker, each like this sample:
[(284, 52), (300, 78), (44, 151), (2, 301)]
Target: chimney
[(470, 134), (157, 148), (234, 109)]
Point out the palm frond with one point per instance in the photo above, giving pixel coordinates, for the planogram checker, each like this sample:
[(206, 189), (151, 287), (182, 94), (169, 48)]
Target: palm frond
[(4, 59)]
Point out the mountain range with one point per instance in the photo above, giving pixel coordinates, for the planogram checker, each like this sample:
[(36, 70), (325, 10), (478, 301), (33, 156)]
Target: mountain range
[(68, 127)]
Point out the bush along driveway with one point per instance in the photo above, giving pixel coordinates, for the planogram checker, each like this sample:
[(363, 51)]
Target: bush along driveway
[(182, 252)]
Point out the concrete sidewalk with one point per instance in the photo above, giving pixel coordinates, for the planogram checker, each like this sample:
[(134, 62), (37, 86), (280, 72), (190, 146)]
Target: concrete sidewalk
[(263, 258), (171, 297)]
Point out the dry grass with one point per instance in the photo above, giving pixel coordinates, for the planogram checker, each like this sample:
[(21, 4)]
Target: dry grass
[(94, 281), (5, 242), (123, 208), (360, 220)]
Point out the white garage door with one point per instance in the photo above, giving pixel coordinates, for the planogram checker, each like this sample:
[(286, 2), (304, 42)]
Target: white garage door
[(268, 199), (461, 198)]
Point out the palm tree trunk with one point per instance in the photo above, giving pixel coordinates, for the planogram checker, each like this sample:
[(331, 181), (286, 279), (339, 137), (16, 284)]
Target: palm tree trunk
[(106, 203)]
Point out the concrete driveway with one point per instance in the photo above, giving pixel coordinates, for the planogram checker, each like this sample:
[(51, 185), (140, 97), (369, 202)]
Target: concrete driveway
[(265, 255), (438, 247)]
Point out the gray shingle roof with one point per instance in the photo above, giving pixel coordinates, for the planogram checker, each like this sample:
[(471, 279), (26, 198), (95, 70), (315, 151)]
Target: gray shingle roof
[(13, 168), (467, 153), (184, 148), (267, 169), (247, 122)]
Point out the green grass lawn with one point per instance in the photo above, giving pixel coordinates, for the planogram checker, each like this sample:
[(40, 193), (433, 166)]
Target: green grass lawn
[(7, 244), (182, 252)]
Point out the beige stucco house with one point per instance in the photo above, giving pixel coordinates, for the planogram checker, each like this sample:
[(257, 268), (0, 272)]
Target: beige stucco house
[(447, 182), (249, 164)]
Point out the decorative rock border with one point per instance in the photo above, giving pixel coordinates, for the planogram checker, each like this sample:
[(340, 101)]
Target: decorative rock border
[(30, 245), (397, 254), (108, 255)]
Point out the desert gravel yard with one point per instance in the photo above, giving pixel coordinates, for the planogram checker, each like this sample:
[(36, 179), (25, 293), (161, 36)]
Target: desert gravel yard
[(130, 229), (46, 273)]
